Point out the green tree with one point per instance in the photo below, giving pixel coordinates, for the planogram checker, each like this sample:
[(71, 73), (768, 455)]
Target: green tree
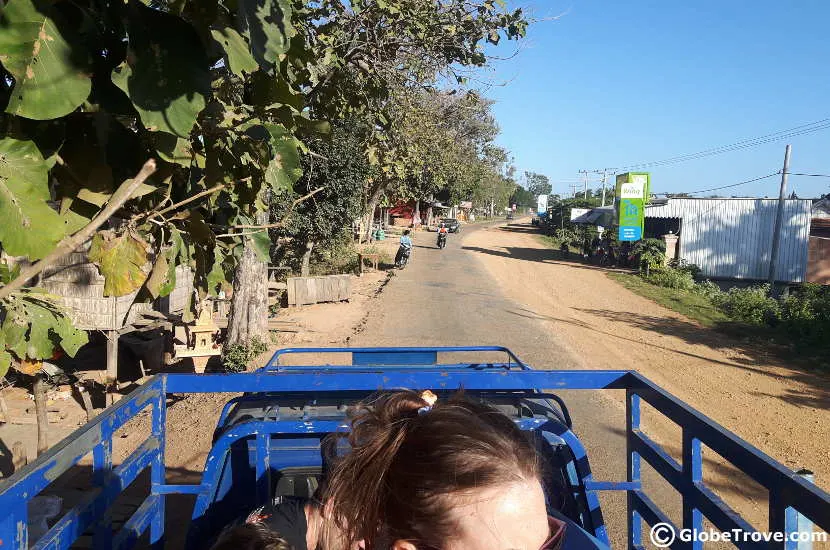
[(372, 57), (523, 198), (538, 184), (93, 89), (335, 172)]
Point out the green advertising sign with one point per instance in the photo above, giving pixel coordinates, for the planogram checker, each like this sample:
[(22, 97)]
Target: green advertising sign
[(633, 190)]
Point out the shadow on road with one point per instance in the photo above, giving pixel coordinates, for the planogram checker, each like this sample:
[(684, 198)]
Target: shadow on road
[(543, 255), (818, 396), (519, 228), (735, 487)]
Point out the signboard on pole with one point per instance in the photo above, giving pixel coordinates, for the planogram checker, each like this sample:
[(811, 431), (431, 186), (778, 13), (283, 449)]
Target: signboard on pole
[(632, 196), (542, 204), (578, 212)]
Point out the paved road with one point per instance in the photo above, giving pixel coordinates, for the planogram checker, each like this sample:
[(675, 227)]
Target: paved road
[(445, 297)]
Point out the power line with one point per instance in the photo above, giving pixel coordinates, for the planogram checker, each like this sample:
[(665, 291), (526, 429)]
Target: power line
[(727, 186), (811, 175), (802, 129)]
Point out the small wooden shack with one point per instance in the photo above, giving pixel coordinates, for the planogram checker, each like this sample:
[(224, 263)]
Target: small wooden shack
[(80, 288)]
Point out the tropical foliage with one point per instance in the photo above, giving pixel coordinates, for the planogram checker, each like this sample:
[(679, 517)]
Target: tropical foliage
[(205, 111)]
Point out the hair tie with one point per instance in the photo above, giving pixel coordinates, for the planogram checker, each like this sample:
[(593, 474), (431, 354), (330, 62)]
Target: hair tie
[(430, 399)]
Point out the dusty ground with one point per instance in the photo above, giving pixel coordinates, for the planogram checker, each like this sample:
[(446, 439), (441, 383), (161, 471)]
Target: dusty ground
[(323, 324), (193, 419), (782, 410)]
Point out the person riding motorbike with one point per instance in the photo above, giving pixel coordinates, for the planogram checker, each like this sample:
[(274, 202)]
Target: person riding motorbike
[(442, 236), (404, 249)]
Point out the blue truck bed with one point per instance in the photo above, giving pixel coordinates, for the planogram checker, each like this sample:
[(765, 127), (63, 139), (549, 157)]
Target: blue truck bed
[(271, 440)]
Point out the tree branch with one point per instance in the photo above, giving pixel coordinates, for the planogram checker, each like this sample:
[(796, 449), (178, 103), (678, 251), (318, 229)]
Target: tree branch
[(71, 243), (181, 203), (270, 225)]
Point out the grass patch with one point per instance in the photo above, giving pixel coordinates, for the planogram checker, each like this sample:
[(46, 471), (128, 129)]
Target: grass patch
[(554, 243), (699, 307), (693, 305)]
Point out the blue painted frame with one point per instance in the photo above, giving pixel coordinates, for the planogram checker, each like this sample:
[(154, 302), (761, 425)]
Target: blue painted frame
[(788, 492)]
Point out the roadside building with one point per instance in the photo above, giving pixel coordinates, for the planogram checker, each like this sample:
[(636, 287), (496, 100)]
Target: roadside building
[(818, 256), (731, 238)]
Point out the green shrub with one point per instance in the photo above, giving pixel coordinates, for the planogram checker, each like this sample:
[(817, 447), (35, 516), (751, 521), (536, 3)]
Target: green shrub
[(708, 289), (683, 265), (750, 305), (652, 253), (805, 313), (236, 357), (671, 278)]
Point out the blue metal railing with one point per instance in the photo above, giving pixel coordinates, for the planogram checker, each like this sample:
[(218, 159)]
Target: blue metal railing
[(789, 493), (398, 357)]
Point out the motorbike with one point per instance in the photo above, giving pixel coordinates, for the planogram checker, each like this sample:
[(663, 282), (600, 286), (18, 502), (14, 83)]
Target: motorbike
[(442, 240), (402, 257)]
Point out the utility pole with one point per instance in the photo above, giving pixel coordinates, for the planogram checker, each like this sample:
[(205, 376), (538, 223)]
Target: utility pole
[(585, 192), (604, 179), (779, 217)]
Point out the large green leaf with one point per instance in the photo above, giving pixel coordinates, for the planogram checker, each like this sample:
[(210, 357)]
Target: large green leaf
[(237, 51), (173, 148), (29, 227), (162, 279), (14, 331), (5, 358), (48, 84), (71, 338), (261, 242), (267, 26), (284, 169), (218, 274), (41, 320), (167, 73), (34, 327), (122, 260)]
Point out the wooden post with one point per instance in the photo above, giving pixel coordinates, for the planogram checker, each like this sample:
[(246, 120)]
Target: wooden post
[(4, 408), (39, 391), (87, 401), (112, 356), (19, 456)]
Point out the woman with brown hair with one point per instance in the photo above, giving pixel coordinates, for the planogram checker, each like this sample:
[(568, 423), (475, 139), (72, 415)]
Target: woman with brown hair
[(452, 475)]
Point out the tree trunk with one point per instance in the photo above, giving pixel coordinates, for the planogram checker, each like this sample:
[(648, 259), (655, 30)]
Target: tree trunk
[(305, 270), (248, 316), (416, 217), (429, 209), (369, 215), (249, 305), (39, 391)]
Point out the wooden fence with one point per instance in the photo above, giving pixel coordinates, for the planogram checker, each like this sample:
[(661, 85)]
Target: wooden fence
[(313, 290)]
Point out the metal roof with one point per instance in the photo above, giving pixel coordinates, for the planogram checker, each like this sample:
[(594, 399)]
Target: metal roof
[(732, 238)]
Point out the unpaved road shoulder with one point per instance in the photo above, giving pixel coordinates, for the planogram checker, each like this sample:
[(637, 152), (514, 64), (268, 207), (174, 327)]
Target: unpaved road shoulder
[(783, 411)]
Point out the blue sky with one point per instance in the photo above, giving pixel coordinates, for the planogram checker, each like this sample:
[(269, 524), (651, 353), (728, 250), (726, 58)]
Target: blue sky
[(612, 83)]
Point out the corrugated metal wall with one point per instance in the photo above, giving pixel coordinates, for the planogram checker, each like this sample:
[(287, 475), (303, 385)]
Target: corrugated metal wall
[(732, 238)]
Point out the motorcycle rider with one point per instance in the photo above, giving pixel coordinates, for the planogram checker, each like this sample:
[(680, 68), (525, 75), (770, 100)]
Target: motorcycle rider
[(404, 249), (442, 234)]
